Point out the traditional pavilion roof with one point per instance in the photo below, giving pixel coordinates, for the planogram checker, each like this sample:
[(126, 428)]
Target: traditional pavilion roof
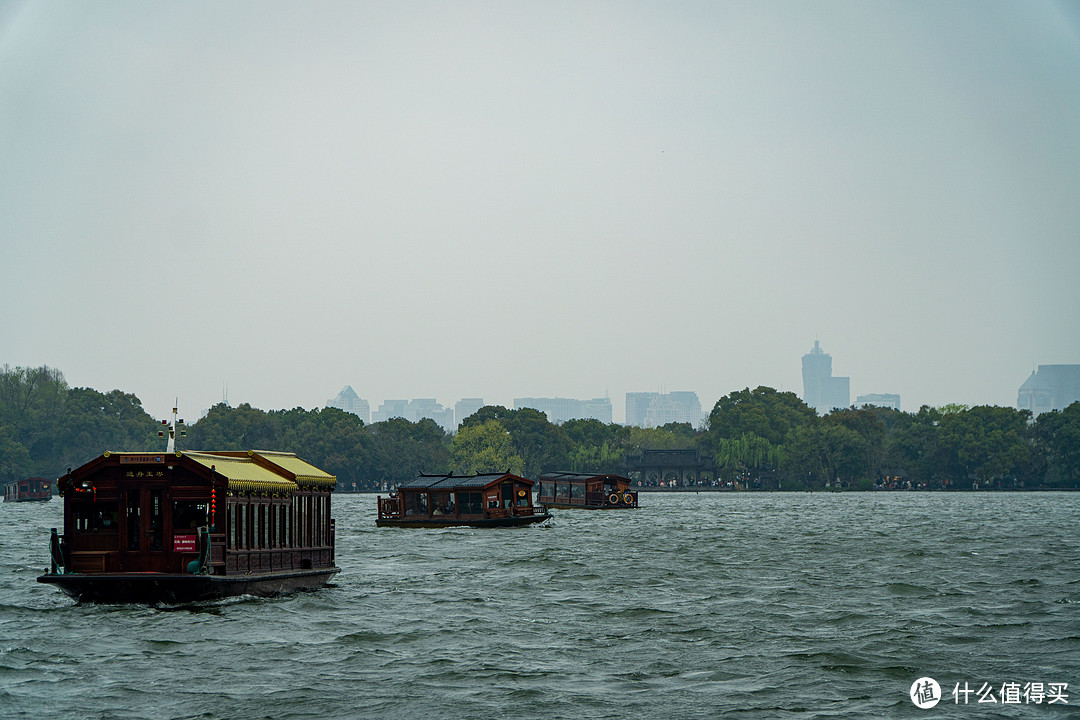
[(451, 482), (302, 472), (244, 473)]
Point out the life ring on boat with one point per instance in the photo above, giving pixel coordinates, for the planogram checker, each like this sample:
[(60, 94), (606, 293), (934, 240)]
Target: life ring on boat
[(628, 498), (521, 493), (613, 498)]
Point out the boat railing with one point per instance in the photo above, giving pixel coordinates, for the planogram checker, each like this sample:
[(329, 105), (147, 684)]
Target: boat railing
[(515, 511), (389, 507)]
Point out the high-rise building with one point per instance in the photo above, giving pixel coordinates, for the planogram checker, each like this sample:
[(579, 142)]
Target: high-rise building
[(821, 390), (637, 405), (886, 400), (390, 409), (559, 410), (465, 407), (415, 411), (1051, 387), (653, 409), (349, 401)]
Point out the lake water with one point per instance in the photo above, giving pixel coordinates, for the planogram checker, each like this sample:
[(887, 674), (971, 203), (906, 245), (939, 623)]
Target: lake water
[(694, 606)]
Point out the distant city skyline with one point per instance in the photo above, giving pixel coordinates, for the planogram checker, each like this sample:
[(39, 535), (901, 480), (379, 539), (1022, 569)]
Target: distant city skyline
[(1052, 387), (561, 200)]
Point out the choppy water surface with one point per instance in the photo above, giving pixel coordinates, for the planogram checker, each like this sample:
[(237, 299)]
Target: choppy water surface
[(694, 606)]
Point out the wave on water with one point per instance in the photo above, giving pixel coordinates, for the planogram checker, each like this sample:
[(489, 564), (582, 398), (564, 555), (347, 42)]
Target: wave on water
[(708, 605)]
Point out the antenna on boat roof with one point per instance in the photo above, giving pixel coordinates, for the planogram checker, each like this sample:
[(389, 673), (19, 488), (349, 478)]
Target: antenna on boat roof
[(172, 428)]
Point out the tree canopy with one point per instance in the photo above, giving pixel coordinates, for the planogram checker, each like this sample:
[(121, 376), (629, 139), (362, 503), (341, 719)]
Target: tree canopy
[(760, 438)]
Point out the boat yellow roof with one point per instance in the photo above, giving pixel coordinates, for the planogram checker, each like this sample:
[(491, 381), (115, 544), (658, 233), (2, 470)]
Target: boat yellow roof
[(303, 473), (244, 473)]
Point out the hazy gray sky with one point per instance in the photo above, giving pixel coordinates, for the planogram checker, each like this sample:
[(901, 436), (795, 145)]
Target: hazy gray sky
[(500, 199)]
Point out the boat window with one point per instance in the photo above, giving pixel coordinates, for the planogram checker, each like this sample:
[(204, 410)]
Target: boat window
[(298, 507), (241, 534), (471, 503), (189, 515), (134, 532), (545, 489), (232, 526), (577, 490), (324, 531), (308, 534), (442, 504), (309, 531), (298, 522), (157, 524), (285, 542), (99, 517), (562, 490)]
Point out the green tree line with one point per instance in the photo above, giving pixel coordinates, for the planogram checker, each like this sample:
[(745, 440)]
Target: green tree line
[(756, 439)]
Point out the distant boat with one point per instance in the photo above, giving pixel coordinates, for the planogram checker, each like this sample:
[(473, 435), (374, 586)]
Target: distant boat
[(481, 500), (30, 489), (586, 490), (147, 527)]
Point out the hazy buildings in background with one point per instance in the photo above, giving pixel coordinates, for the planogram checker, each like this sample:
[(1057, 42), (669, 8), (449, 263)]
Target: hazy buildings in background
[(821, 390), (653, 409), (349, 401), (414, 411), (885, 400), (559, 410), (1051, 387), (465, 407)]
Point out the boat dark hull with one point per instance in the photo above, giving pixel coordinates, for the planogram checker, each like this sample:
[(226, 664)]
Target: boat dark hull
[(427, 522), (568, 506), (150, 588)]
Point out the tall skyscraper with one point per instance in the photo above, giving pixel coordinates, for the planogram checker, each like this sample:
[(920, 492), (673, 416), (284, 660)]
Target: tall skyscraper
[(465, 407), (821, 390), (637, 405), (1051, 387), (349, 401)]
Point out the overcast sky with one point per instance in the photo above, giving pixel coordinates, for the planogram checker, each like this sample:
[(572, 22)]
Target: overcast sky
[(508, 199)]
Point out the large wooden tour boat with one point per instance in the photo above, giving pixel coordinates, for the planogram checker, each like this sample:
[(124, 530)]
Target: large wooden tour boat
[(584, 490), (35, 488), (181, 526), (481, 500)]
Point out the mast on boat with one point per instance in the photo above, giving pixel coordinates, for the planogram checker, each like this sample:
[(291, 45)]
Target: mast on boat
[(171, 428)]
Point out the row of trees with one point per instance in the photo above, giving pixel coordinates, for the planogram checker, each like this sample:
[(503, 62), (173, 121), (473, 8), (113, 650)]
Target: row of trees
[(773, 439), (759, 438)]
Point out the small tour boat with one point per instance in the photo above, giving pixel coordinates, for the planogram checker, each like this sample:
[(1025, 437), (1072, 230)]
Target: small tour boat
[(481, 500), (147, 527), (35, 488), (585, 490)]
